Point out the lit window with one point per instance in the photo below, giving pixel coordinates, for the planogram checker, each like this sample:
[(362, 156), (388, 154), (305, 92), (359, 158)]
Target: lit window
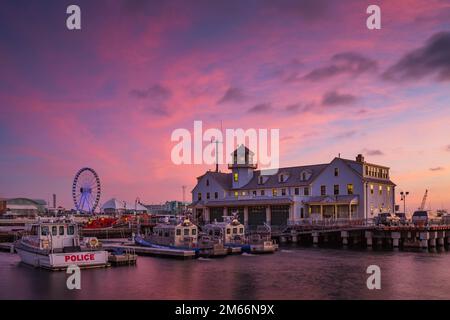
[(380, 190), (244, 193), (336, 172), (236, 177), (371, 189), (236, 194), (350, 189), (274, 192), (388, 189), (336, 189)]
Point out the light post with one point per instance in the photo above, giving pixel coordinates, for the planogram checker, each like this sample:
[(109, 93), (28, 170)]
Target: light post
[(403, 198)]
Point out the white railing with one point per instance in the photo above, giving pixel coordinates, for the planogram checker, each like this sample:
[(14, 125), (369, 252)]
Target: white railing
[(333, 222)]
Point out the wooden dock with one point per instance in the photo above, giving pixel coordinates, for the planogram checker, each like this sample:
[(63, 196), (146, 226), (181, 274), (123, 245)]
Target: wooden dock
[(7, 247), (146, 251)]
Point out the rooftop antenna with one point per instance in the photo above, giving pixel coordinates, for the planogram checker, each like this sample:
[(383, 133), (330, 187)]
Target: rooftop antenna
[(184, 193), (216, 141)]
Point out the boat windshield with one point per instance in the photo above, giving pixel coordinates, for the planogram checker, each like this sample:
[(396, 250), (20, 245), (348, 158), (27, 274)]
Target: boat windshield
[(71, 230), (45, 231)]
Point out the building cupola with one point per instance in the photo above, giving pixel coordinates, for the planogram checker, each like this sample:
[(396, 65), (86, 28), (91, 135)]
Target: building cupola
[(242, 166)]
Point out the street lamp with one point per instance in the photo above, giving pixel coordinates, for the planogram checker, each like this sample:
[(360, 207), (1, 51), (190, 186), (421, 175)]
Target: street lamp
[(403, 198)]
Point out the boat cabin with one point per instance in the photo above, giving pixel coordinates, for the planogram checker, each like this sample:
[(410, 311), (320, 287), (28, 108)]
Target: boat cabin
[(183, 234), (55, 236), (230, 231)]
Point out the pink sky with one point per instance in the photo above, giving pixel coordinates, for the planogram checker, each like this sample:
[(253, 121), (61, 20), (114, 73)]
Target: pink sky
[(110, 95)]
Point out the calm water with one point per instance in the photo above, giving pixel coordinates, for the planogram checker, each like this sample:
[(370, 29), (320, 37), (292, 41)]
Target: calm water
[(292, 273)]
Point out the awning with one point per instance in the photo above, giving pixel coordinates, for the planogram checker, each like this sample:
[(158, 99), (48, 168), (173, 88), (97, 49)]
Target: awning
[(332, 200)]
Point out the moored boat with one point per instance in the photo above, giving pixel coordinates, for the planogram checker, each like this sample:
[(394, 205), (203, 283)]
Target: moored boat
[(230, 232), (183, 235), (55, 245)]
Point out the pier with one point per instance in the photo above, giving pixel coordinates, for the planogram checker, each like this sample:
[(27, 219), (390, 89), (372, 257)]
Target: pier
[(366, 234)]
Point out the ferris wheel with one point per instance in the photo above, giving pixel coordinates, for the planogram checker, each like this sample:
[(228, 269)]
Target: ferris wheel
[(86, 190)]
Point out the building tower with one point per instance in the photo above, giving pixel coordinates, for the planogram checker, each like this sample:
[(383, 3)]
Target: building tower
[(242, 166)]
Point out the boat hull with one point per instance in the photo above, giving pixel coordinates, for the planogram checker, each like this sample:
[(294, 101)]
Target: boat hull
[(60, 261), (145, 243)]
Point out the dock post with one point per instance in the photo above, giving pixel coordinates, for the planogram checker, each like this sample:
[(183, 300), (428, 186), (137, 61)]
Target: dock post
[(424, 237), (344, 236), (432, 239), (368, 235), (440, 238), (395, 239), (315, 236)]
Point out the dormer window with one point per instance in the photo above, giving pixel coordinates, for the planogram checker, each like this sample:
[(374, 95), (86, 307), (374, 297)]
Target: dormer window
[(260, 180), (305, 175), (283, 177), (336, 172), (207, 182)]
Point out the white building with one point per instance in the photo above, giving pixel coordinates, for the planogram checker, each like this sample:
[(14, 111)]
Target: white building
[(351, 189), (114, 206)]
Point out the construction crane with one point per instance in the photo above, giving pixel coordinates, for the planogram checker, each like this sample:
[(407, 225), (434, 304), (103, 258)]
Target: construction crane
[(424, 200)]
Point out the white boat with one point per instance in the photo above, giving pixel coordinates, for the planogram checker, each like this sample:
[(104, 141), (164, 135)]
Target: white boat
[(182, 235), (55, 245)]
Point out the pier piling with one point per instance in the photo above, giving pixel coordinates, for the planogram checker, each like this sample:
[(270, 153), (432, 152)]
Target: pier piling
[(368, 235), (395, 239)]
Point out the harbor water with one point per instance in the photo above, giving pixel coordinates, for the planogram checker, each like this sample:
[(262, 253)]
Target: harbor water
[(291, 273)]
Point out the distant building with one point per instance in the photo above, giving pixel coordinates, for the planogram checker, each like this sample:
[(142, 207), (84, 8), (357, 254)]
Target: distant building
[(2, 206), (114, 206), (24, 207), (348, 189), (168, 208)]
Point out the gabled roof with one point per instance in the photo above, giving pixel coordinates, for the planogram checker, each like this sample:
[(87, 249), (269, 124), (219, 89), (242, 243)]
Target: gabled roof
[(223, 179), (293, 180)]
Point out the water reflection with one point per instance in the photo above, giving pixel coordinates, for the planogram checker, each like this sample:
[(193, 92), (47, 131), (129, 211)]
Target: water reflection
[(291, 273)]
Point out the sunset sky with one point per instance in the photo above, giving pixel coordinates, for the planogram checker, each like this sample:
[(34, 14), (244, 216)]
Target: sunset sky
[(109, 96)]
